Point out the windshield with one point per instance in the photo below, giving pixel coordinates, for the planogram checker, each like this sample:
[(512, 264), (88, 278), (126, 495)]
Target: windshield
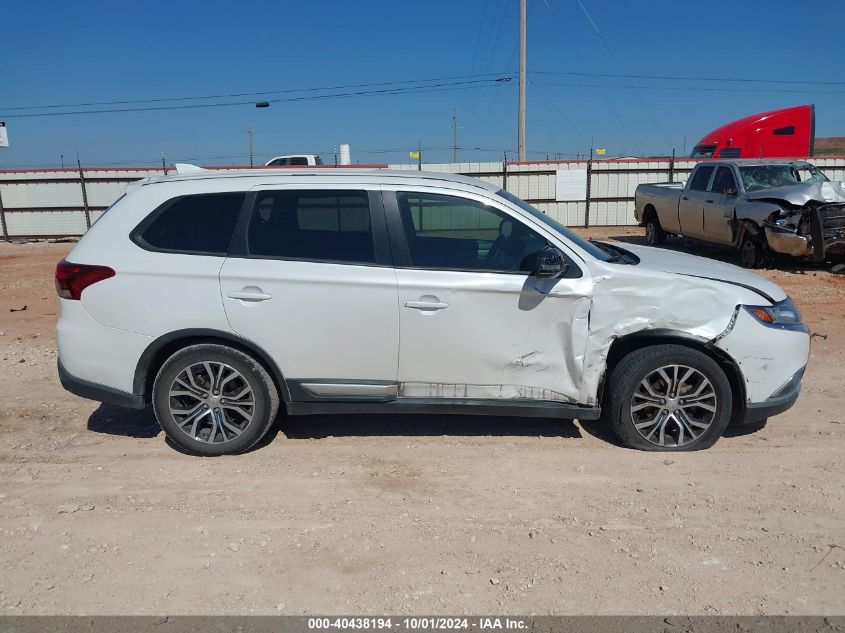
[(703, 151), (556, 226), (761, 177)]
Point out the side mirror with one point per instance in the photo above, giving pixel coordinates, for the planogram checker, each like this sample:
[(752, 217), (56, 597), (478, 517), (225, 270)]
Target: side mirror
[(549, 263), (730, 191)]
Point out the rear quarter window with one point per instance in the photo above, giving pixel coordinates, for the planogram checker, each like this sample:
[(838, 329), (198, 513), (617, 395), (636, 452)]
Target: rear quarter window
[(199, 224)]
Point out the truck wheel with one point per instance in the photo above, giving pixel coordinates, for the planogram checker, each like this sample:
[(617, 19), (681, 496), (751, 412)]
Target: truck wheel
[(654, 233), (668, 398), (753, 253), (214, 400)]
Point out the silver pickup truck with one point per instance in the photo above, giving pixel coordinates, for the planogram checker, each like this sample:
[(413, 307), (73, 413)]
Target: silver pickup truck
[(759, 207)]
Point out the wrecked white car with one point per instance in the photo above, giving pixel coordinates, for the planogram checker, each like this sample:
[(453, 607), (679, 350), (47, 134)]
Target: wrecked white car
[(221, 298), (759, 207)]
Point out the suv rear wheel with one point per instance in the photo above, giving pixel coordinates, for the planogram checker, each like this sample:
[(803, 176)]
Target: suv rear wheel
[(214, 400), (668, 398)]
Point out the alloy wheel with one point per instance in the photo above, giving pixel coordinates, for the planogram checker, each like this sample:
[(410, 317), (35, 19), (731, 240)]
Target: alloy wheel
[(211, 402), (673, 405)]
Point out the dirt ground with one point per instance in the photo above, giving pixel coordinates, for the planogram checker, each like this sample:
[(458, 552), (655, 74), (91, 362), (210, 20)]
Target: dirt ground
[(411, 514)]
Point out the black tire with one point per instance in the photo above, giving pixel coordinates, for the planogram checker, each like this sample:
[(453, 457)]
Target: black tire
[(637, 367), (654, 233), (265, 399), (753, 252)]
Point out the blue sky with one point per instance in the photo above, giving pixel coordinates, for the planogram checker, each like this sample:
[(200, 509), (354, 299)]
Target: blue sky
[(54, 53)]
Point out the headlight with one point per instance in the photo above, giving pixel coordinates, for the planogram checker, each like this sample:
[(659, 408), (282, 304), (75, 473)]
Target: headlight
[(783, 314)]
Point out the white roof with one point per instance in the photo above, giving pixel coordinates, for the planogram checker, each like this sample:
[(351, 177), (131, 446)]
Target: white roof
[(185, 172)]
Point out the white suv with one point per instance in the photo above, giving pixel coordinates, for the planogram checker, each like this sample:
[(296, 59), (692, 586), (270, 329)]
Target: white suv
[(222, 297)]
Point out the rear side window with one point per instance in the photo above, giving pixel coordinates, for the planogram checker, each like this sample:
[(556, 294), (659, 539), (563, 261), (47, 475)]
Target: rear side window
[(730, 152), (330, 226), (298, 161), (785, 131), (701, 178), (200, 224)]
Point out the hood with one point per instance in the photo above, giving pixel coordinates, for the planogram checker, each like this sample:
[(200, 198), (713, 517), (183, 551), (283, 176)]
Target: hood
[(801, 194), (668, 261)]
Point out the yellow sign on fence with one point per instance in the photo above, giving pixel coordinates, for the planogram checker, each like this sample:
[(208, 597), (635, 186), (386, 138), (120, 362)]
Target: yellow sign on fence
[(414, 154), (601, 152)]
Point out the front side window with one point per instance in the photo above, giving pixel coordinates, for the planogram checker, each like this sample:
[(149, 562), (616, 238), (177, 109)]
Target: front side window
[(455, 233), (701, 178), (331, 226), (723, 181), (200, 224), (556, 226)]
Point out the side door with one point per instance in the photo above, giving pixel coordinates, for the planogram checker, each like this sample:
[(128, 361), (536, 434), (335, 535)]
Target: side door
[(309, 279), (719, 206), (691, 204), (473, 323)]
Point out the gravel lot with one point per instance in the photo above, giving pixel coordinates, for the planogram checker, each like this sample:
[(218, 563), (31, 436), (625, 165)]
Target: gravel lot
[(414, 514)]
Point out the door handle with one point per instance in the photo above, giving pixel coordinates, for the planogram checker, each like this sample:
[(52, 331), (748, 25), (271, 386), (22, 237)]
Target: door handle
[(245, 295), (684, 197), (709, 201), (426, 305)]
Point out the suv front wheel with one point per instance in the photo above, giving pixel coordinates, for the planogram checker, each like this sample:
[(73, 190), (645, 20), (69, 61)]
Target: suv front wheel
[(668, 398), (214, 400)]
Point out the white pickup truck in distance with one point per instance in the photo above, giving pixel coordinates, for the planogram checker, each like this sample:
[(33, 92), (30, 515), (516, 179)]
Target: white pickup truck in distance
[(759, 207), (295, 160)]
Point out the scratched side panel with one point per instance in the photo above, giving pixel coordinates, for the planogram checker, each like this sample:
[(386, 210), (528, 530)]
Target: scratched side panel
[(501, 336)]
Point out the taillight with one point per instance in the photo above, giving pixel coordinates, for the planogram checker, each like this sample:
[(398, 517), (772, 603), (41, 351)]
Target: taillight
[(72, 279)]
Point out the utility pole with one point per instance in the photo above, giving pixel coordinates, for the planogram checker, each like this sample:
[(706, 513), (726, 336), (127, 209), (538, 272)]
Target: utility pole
[(455, 136), (249, 132), (63, 161), (521, 124), (419, 155)]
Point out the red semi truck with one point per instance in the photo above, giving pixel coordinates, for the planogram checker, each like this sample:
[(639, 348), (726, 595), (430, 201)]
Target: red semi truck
[(786, 133)]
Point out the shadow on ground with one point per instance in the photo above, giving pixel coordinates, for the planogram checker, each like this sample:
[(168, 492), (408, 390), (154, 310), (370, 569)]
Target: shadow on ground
[(318, 426), (142, 424), (113, 420)]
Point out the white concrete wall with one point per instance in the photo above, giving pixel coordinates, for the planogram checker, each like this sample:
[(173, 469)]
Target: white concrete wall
[(49, 203)]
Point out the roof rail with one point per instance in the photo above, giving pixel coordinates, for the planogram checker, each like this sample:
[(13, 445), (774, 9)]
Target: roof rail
[(186, 168)]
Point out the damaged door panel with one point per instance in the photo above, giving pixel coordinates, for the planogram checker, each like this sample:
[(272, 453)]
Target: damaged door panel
[(500, 336)]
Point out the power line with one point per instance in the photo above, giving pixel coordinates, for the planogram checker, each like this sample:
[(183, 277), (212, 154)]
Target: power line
[(255, 94), (458, 85), (688, 78), (690, 88), (619, 120), (619, 66)]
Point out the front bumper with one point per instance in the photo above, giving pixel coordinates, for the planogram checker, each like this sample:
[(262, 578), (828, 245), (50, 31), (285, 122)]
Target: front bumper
[(785, 397), (771, 361), (788, 243)]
